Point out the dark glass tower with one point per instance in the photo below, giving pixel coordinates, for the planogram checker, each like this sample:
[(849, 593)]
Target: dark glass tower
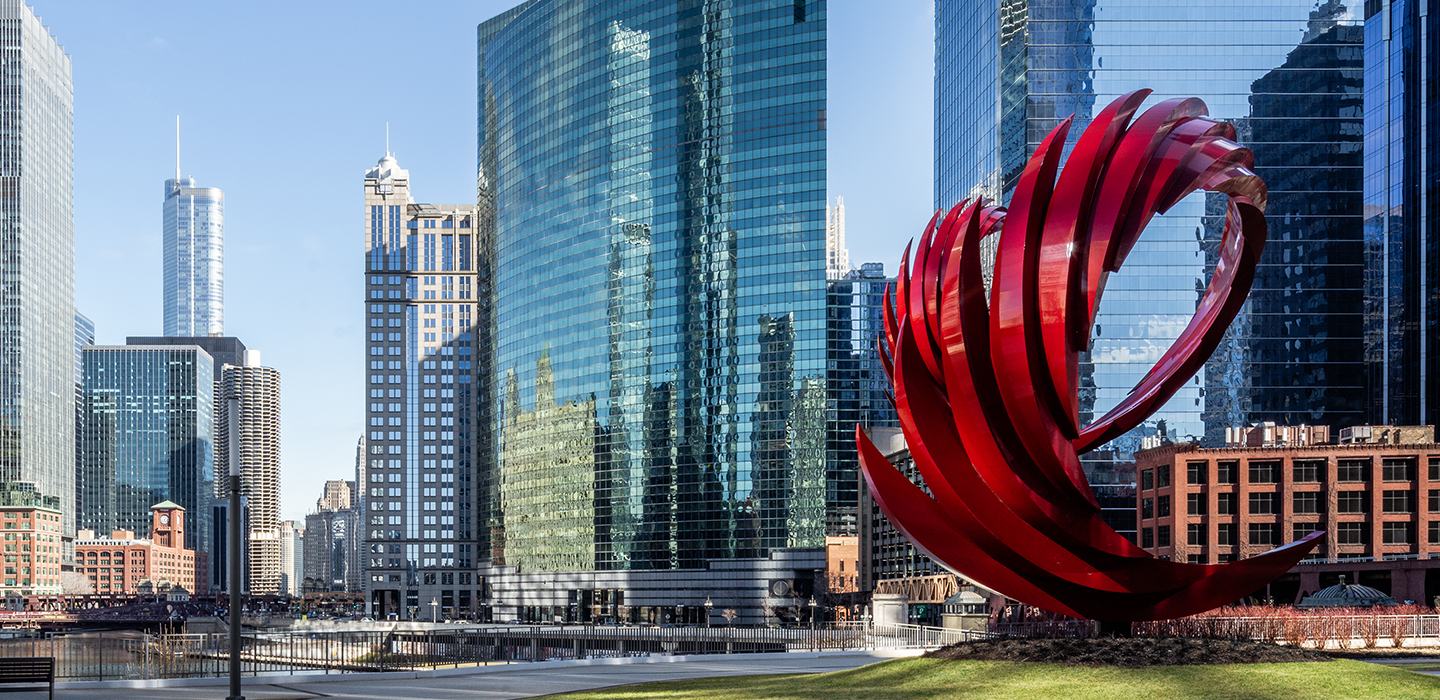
[(1285, 72), (652, 189), (1402, 248)]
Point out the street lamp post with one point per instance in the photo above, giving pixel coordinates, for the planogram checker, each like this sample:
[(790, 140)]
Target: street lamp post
[(812, 613), (708, 606), (434, 611)]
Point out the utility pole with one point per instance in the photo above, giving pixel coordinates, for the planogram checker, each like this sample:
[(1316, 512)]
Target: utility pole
[(233, 414)]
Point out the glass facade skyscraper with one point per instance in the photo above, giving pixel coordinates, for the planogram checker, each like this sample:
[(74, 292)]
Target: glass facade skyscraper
[(1287, 73), (1402, 247), (146, 435), (37, 239), (194, 259), (656, 219), (857, 390)]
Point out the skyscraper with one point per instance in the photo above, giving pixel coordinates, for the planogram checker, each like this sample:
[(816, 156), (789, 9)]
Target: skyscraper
[(837, 256), (656, 232), (1402, 245), (1285, 75), (146, 425), (421, 263), (37, 238), (194, 258), (258, 449)]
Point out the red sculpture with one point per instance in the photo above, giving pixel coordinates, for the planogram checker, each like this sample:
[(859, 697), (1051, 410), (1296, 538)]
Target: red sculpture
[(986, 388)]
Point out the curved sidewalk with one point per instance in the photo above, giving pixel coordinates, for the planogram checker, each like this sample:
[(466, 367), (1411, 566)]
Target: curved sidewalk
[(494, 682)]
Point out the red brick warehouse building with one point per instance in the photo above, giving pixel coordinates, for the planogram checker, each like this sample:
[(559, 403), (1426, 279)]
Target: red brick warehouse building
[(1379, 502)]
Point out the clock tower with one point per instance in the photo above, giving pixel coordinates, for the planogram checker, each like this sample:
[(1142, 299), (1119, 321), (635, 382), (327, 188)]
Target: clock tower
[(167, 524)]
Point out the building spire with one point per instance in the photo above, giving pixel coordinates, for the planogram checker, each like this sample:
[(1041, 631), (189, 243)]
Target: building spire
[(387, 138), (177, 148)]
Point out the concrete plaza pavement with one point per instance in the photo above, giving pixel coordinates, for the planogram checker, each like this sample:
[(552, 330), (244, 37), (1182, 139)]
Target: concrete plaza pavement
[(503, 683)]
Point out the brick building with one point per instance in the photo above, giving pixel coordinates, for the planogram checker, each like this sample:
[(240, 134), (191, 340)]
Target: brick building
[(32, 540), (122, 562), (1379, 502)]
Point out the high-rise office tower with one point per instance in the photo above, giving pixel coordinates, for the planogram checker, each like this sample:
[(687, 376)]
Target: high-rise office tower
[(145, 431), (194, 258), (857, 390), (336, 496), (837, 256), (292, 556), (420, 532), (1285, 74), (258, 391), (656, 232), (1402, 245), (37, 238)]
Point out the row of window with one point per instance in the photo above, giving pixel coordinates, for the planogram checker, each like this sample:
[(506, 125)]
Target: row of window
[(1348, 534), (1308, 471), (1302, 502)]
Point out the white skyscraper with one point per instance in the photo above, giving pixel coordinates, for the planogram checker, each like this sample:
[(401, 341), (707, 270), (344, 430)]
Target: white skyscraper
[(837, 256), (37, 236), (194, 257)]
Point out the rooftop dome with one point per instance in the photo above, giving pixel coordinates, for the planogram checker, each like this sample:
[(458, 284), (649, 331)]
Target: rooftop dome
[(1343, 595)]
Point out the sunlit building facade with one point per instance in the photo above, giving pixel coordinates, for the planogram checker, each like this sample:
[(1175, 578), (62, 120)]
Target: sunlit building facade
[(656, 228), (194, 240), (37, 236), (1287, 74)]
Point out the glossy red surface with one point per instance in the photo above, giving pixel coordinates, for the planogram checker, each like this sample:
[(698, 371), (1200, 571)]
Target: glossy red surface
[(986, 384)]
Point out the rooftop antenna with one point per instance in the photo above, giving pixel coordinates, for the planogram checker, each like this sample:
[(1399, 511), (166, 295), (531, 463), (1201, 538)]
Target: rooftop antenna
[(387, 138), (177, 149)]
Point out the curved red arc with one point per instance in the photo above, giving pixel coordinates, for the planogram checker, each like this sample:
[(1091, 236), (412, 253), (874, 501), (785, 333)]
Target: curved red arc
[(986, 380)]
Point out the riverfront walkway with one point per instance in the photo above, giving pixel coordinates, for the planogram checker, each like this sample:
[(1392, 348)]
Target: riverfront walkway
[(502, 683)]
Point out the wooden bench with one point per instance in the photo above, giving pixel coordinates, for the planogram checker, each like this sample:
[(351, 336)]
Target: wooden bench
[(29, 670)]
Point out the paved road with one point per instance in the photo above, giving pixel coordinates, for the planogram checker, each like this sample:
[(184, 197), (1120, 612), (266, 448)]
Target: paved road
[(506, 685)]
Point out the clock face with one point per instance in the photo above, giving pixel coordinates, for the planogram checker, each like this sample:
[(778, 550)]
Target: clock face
[(165, 519)]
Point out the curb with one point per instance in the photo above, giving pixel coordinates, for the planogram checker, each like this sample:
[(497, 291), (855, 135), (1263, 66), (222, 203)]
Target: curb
[(311, 677)]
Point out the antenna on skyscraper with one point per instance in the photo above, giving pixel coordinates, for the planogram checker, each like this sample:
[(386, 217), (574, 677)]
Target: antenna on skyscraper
[(177, 148), (387, 138)]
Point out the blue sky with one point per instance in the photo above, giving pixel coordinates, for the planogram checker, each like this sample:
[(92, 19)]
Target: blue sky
[(284, 105)]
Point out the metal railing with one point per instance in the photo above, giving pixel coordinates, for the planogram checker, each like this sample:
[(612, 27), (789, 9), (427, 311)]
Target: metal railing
[(135, 655)]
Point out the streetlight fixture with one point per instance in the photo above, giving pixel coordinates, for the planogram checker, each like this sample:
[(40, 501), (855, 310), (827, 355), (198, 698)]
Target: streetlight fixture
[(434, 610), (708, 606), (812, 613)]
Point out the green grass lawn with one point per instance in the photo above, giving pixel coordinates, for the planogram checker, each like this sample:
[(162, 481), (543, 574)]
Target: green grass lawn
[(928, 679)]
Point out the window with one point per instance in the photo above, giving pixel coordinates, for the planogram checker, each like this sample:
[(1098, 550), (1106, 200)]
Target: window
[(1225, 504), (1147, 479), (1353, 470), (1302, 530), (1193, 559), (1195, 503), (1162, 536), (1147, 538), (1398, 501), (1350, 533), (1397, 469), (1195, 533), (1226, 472), (1308, 471), (1435, 468), (1195, 472), (1306, 502), (1264, 472), (1397, 533), (1354, 502), (1162, 507), (1262, 504), (1263, 533), (1162, 476), (1435, 500), (1225, 534), (1147, 508), (1435, 532)]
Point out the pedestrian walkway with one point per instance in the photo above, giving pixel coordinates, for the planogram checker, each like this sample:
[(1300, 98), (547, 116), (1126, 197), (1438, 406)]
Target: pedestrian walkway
[(508, 683)]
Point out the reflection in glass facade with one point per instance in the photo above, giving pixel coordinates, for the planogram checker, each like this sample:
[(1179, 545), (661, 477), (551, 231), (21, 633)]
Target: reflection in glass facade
[(1402, 249), (1287, 74), (858, 392), (146, 431), (37, 239), (652, 188), (194, 259)]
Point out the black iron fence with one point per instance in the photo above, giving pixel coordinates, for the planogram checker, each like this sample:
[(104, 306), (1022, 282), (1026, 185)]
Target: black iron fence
[(135, 655)]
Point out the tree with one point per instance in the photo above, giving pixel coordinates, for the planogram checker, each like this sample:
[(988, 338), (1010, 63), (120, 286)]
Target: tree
[(729, 614), (76, 583)]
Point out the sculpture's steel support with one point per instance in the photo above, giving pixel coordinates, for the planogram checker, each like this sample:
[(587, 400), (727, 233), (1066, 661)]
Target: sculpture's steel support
[(986, 385)]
